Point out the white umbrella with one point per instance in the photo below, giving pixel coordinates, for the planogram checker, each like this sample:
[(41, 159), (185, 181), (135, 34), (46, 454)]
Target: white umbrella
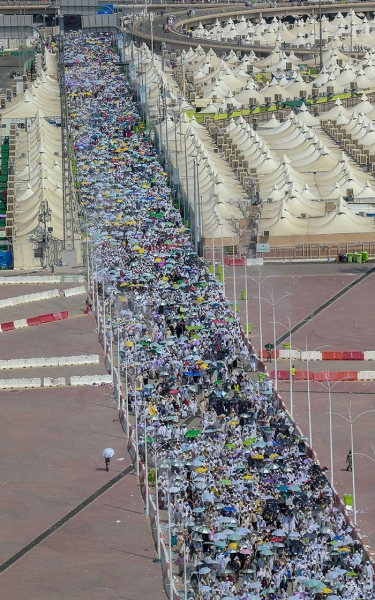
[(108, 452)]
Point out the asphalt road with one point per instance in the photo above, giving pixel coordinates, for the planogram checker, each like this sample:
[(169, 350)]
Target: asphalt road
[(7, 64)]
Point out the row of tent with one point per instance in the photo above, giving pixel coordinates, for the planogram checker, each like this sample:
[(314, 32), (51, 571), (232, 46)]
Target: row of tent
[(217, 85), (38, 166), (302, 177), (214, 193), (43, 96), (301, 34)]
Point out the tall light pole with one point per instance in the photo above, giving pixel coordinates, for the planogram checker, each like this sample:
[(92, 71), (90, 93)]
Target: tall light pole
[(259, 283), (320, 37), (197, 226), (234, 279), (44, 217), (289, 328), (274, 304), (146, 463), (352, 421), (246, 305), (330, 387), (222, 254), (308, 390)]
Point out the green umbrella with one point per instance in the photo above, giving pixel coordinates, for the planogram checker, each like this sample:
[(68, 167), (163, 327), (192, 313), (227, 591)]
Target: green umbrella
[(351, 574), (218, 382), (192, 433), (230, 446), (249, 441), (311, 583), (149, 439), (234, 537), (225, 482), (265, 552)]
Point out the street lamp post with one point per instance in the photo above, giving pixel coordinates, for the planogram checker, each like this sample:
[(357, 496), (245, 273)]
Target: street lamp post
[(320, 37), (246, 305), (146, 464), (289, 328), (155, 449), (45, 216), (352, 421), (274, 304), (259, 283), (330, 387), (136, 427), (308, 390), (234, 279)]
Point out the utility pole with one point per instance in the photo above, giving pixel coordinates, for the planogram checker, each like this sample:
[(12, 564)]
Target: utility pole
[(44, 218), (320, 37), (69, 200)]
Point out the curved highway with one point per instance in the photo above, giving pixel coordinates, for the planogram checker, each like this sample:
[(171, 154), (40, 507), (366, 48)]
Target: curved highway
[(206, 14)]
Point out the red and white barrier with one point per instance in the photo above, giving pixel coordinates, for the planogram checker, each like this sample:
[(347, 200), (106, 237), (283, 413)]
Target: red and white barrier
[(326, 355), (283, 375), (32, 321)]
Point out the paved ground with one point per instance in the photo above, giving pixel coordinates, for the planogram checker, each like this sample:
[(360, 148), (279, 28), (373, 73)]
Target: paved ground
[(8, 64), (52, 441), (305, 288), (347, 324), (362, 397)]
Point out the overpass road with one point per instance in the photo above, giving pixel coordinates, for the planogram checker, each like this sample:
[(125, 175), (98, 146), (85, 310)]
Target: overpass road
[(176, 39)]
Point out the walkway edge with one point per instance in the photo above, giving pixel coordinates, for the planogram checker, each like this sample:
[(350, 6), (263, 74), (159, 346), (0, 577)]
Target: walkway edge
[(70, 515), (325, 305)]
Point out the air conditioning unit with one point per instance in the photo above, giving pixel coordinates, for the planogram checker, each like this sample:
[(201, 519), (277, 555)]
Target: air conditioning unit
[(315, 85), (269, 200), (268, 100), (350, 194), (330, 89), (252, 102), (353, 85), (361, 214), (302, 94), (288, 66), (304, 216), (265, 233), (339, 62), (278, 98)]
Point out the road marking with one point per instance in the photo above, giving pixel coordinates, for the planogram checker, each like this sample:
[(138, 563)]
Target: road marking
[(70, 515)]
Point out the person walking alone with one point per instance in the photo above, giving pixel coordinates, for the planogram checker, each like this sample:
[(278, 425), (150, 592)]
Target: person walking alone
[(349, 460)]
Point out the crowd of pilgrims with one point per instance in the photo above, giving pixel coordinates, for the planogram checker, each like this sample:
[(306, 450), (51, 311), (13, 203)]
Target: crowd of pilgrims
[(253, 516)]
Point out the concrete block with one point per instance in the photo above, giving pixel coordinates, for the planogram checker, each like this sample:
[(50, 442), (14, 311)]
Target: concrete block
[(366, 375), (296, 355), (313, 355), (50, 382), (20, 323), (75, 291)]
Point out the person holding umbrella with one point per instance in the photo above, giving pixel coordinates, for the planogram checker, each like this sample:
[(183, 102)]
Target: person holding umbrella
[(108, 453)]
